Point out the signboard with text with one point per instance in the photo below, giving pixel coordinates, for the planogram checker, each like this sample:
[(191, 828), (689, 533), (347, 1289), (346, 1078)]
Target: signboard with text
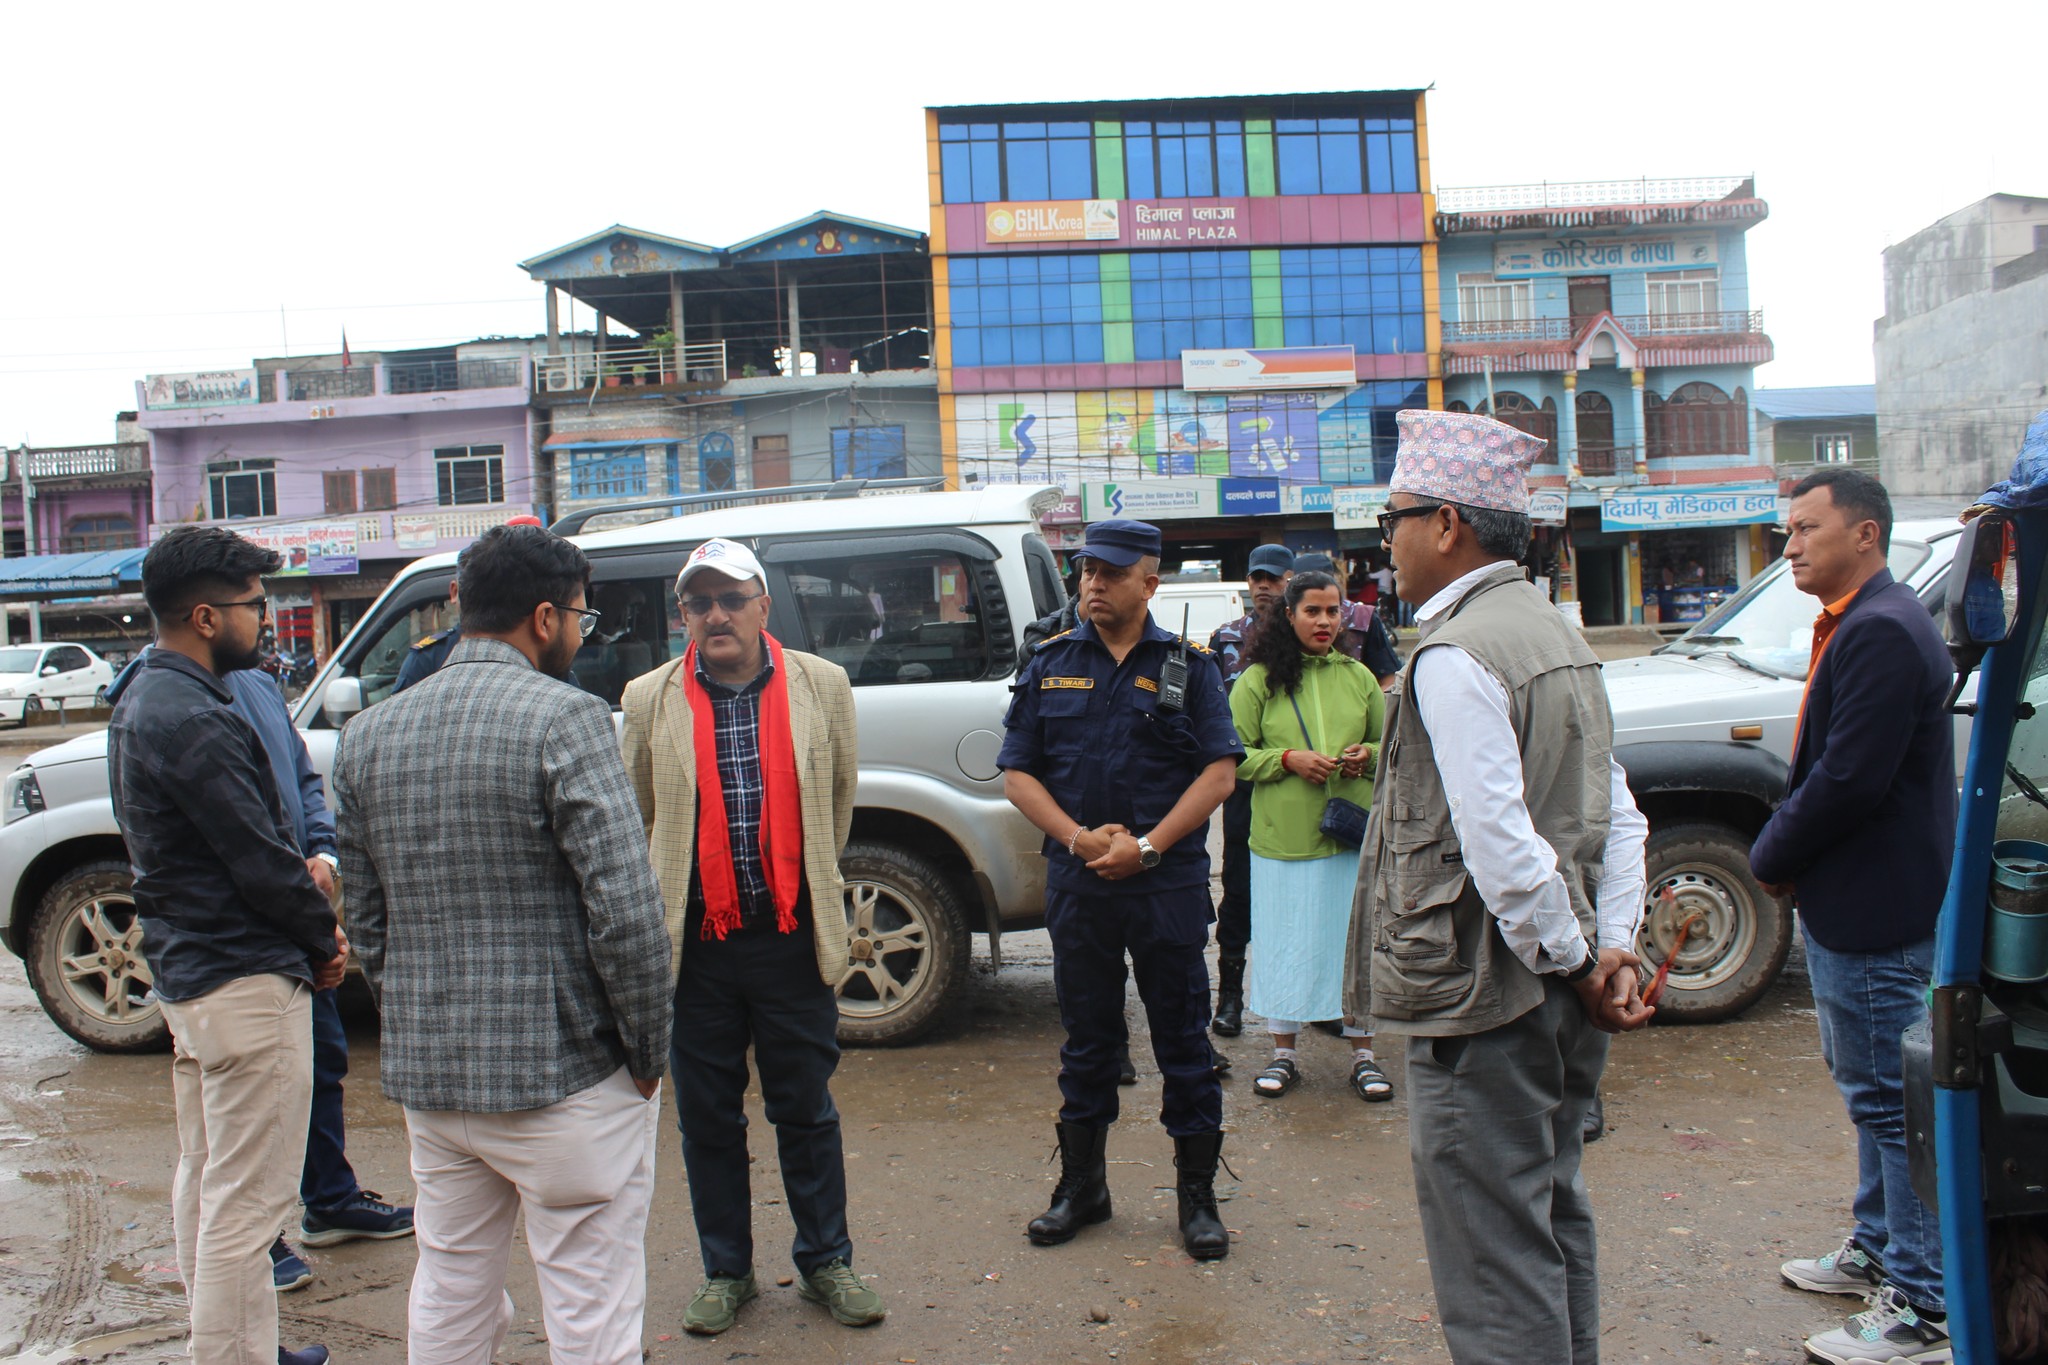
[(1293, 367), (1547, 506), (1664, 509), (1248, 497), (1307, 498), (1052, 220), (1150, 499), (1356, 506), (331, 548), (199, 389), (1524, 259)]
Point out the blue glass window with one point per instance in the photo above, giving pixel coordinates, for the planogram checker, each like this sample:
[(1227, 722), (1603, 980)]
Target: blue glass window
[(1073, 168), (987, 182), (1029, 177), (1300, 172)]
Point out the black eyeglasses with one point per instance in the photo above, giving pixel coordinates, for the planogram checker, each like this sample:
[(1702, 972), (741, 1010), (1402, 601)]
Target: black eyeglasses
[(1388, 516), (588, 621), (731, 603), (262, 605)]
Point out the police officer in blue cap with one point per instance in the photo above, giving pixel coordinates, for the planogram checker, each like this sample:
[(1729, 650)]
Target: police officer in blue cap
[(1120, 747)]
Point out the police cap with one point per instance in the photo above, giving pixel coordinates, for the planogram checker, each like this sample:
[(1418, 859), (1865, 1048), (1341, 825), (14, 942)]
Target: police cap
[(1120, 542)]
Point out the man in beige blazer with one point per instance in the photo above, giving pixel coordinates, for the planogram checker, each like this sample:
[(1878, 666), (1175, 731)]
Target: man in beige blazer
[(743, 757)]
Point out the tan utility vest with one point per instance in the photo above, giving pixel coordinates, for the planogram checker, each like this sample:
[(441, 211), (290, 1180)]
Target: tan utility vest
[(1425, 955)]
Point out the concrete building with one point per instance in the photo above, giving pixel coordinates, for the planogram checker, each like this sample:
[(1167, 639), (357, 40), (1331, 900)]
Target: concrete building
[(1801, 430), (1962, 348), (799, 355), (1204, 312), (1614, 319), (85, 501), (349, 466)]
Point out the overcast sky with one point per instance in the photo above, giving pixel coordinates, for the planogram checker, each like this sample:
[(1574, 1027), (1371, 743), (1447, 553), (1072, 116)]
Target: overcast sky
[(176, 175)]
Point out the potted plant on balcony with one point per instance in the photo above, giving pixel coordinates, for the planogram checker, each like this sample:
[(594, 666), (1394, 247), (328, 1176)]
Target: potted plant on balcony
[(663, 344)]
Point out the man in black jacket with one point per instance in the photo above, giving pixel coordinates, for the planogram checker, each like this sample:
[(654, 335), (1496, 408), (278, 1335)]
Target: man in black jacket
[(236, 933), (1863, 841)]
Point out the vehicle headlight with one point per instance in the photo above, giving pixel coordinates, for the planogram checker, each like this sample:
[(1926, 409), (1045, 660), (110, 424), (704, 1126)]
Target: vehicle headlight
[(24, 795)]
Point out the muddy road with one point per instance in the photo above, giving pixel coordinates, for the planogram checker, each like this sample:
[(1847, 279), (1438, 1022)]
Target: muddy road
[(1728, 1151)]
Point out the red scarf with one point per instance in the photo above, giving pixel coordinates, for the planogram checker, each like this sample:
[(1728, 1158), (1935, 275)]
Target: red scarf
[(782, 827)]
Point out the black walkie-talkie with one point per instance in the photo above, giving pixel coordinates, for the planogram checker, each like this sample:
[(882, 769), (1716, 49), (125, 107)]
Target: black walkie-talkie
[(1173, 674)]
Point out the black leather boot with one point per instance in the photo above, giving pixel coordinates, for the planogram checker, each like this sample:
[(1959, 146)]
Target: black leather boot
[(1596, 1120), (1082, 1195), (1126, 1069), (1229, 997), (1201, 1230)]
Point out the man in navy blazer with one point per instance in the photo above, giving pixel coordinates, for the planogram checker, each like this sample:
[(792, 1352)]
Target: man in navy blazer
[(1863, 842)]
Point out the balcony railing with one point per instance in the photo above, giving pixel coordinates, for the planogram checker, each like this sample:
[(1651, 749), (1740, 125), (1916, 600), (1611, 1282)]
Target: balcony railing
[(1726, 322), (78, 462), (1636, 325), (444, 376), (1585, 193), (320, 386), (1605, 461), (698, 363)]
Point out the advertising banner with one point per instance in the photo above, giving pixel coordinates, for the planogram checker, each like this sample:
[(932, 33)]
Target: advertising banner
[(199, 389), (418, 533), (1521, 260), (1293, 367), (1248, 497), (1052, 220), (288, 541), (331, 548), (1068, 513), (1749, 504), (1547, 507), (1150, 499), (1275, 436)]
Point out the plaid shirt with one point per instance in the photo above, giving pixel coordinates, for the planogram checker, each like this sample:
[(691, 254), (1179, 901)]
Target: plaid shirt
[(736, 724)]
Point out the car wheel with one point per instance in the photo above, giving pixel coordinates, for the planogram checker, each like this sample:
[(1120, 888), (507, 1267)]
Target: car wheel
[(1742, 934), (29, 707), (85, 962), (906, 945)]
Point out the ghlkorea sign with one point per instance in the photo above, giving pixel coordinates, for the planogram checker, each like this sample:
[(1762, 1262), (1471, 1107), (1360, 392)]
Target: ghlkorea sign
[(1665, 509)]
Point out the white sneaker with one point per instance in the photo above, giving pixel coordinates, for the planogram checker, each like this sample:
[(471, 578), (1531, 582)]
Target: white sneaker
[(1891, 1333), (1848, 1269)]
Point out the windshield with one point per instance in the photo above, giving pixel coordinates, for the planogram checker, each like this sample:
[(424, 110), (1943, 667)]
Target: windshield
[(19, 660), (1769, 624)]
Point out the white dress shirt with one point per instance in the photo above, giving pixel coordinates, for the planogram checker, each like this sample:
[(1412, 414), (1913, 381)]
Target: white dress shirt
[(1465, 710)]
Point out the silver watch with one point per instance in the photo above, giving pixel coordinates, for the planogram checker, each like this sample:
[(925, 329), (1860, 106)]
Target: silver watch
[(1148, 856)]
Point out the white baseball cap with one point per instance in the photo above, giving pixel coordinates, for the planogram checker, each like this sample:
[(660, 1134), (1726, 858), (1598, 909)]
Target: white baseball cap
[(728, 557)]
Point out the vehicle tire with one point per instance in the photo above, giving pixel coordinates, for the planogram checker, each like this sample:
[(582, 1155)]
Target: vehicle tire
[(30, 705), (85, 962), (1737, 948), (907, 943)]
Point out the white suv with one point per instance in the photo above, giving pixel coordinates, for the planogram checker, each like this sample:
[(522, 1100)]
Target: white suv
[(919, 596)]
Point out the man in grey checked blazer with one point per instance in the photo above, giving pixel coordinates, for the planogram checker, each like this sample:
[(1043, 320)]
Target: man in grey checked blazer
[(496, 873)]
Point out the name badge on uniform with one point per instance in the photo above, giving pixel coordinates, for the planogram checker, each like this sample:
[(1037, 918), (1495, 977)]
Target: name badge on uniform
[(1149, 684), (1050, 684)]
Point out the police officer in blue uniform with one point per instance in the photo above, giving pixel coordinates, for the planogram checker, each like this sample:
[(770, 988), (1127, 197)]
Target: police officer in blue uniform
[(425, 657), (1120, 747)]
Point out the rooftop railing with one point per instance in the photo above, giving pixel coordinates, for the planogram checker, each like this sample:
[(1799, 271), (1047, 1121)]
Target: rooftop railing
[(1585, 193), (697, 363), (78, 462), (1719, 323), (444, 376)]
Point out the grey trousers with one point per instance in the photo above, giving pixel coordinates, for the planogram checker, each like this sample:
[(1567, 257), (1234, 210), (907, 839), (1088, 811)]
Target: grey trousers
[(1494, 1130)]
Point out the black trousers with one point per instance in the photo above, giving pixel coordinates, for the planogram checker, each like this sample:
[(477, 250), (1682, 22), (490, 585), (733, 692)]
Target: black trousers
[(1234, 916), (760, 988), (1164, 933)]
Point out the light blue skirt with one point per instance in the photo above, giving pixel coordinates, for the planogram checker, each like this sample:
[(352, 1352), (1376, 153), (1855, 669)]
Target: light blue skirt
[(1301, 917)]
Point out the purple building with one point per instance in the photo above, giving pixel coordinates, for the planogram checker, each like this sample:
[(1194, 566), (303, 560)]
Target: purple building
[(83, 500), (349, 466)]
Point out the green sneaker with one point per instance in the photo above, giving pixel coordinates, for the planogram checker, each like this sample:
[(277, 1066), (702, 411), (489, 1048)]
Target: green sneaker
[(836, 1286), (717, 1305)]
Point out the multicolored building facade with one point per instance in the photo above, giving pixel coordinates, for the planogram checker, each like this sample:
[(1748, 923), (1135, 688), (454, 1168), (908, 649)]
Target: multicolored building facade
[(1186, 309)]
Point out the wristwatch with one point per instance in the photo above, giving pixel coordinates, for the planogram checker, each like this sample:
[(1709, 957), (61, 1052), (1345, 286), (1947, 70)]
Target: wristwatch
[(1148, 856), (332, 862)]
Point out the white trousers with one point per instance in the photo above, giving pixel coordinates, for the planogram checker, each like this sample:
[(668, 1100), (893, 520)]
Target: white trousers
[(582, 1170), (242, 1073)]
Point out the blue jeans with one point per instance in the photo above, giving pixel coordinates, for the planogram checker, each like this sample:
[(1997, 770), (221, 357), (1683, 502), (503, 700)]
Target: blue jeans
[(328, 1179), (1865, 1001)]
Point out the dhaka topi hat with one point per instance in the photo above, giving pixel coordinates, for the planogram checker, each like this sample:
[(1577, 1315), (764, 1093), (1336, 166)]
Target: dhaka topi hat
[(1464, 458), (728, 557), (1276, 560), (1119, 542)]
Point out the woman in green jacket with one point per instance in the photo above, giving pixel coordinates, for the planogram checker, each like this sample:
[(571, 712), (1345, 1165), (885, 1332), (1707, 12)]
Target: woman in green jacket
[(1311, 718)]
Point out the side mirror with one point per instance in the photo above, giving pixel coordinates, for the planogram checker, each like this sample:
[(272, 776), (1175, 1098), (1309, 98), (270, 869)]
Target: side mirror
[(342, 699), (50, 671), (1983, 591)]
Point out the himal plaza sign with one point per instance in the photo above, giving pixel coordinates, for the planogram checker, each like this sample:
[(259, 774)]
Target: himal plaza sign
[(1054, 220)]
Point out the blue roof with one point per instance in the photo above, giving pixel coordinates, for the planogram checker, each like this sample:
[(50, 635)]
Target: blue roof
[(71, 575), (1835, 400)]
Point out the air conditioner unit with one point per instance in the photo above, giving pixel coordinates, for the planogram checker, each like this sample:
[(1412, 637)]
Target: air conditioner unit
[(561, 380)]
